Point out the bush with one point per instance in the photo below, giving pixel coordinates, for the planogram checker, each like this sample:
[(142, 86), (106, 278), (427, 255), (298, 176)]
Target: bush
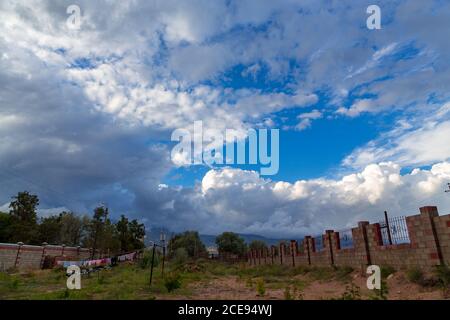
[(146, 260), (386, 271), (232, 243), (287, 294), (260, 288), (172, 281), (190, 241), (380, 294), (180, 257), (352, 292), (343, 273), (443, 274), (415, 275)]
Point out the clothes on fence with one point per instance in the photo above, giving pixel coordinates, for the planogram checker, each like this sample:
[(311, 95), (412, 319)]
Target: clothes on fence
[(127, 257), (85, 263), (99, 262), (66, 264)]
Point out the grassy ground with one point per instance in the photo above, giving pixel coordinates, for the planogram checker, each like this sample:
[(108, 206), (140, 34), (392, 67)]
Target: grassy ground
[(210, 280)]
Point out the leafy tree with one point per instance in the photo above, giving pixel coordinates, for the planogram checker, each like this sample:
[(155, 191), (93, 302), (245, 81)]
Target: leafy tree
[(99, 233), (229, 242), (190, 241), (24, 218), (108, 240), (49, 230), (73, 228), (5, 227), (96, 228), (257, 245), (137, 231), (130, 234), (123, 233), (24, 206), (65, 228)]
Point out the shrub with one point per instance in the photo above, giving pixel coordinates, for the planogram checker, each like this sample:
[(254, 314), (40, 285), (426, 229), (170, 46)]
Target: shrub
[(322, 273), (298, 293), (190, 241), (343, 273), (287, 294), (415, 275), (14, 284), (172, 281), (260, 288), (386, 271), (180, 257), (146, 260), (249, 283), (352, 292), (443, 274), (381, 294), (229, 242)]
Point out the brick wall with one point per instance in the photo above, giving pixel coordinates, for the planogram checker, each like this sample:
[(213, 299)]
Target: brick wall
[(32, 257), (429, 245)]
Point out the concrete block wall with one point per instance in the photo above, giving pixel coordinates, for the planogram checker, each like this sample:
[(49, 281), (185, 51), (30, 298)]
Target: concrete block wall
[(22, 256), (429, 246)]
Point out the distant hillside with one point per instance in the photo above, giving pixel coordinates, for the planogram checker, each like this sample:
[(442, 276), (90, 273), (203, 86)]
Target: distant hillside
[(209, 240)]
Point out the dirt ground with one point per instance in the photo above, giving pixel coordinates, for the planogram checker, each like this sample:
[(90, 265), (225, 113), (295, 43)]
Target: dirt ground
[(232, 287)]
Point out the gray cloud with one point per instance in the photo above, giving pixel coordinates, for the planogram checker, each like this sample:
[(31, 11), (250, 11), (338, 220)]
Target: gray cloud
[(78, 135)]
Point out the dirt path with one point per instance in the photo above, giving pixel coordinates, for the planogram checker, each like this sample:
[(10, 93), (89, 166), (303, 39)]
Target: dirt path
[(232, 287)]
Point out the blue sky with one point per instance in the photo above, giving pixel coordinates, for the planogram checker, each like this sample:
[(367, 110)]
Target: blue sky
[(86, 115)]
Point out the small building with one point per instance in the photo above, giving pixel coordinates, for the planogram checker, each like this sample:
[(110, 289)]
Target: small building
[(213, 253)]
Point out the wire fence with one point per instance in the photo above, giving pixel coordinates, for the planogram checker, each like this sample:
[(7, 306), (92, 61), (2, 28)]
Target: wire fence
[(396, 232), (346, 238)]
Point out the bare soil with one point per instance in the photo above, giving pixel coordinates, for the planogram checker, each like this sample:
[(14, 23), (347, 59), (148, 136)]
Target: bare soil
[(232, 287)]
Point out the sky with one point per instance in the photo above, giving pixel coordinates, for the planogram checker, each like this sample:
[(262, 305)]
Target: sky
[(87, 115)]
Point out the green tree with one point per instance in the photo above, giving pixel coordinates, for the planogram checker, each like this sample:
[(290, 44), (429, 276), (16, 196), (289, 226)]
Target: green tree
[(108, 240), (24, 218), (137, 231), (123, 233), (190, 241), (5, 227), (24, 207), (49, 230), (229, 242), (130, 234), (257, 245), (96, 228), (73, 228)]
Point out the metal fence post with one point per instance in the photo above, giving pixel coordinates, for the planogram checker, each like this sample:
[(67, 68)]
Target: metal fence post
[(44, 244), (387, 227), (18, 253), (153, 260)]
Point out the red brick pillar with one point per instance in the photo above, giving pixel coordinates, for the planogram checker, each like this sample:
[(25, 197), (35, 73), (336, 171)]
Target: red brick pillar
[(281, 252), (422, 233), (272, 253), (265, 249), (329, 245), (362, 243), (293, 251), (307, 245)]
